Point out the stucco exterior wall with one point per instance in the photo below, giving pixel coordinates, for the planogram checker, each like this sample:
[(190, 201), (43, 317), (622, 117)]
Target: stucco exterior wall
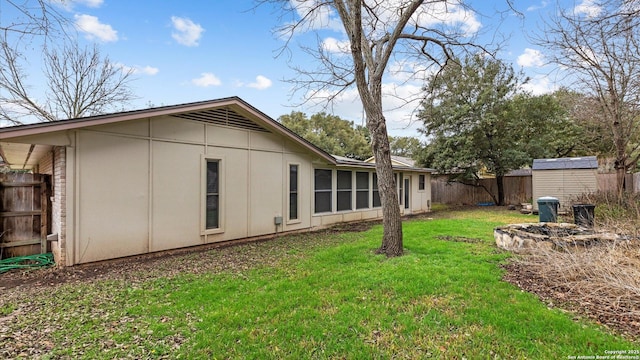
[(135, 187), (138, 186)]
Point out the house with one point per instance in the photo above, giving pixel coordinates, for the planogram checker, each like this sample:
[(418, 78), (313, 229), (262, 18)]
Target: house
[(564, 178), (170, 177)]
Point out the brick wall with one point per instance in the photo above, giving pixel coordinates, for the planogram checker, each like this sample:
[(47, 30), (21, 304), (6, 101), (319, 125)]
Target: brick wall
[(59, 203), (54, 164)]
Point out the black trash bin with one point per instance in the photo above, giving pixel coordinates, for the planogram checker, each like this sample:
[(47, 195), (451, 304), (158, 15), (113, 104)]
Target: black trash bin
[(548, 209), (583, 214)]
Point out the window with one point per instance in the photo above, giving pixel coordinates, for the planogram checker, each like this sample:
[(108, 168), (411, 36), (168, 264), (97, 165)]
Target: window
[(407, 189), (421, 179), (293, 192), (322, 180), (344, 190), (362, 190), (213, 194), (376, 191)]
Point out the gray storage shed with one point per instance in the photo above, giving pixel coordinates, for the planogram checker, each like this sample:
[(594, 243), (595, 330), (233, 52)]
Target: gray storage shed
[(564, 178)]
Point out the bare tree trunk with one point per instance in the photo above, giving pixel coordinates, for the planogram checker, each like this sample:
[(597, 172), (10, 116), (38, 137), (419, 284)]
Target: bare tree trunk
[(500, 183), (391, 219), (368, 70)]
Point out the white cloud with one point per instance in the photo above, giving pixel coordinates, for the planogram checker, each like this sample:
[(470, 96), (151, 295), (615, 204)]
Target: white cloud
[(538, 7), (531, 57), (68, 5), (187, 32), (90, 3), (206, 80), (539, 85), (94, 29), (316, 16), (448, 14), (261, 83), (334, 45), (145, 70), (589, 8)]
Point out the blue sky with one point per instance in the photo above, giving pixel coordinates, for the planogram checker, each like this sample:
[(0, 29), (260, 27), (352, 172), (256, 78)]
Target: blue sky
[(185, 51)]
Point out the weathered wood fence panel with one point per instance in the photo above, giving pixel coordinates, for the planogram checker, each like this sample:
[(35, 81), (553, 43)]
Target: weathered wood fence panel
[(24, 214), (608, 182), (517, 190)]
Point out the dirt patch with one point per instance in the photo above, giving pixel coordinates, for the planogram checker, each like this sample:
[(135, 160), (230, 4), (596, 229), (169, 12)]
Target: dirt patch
[(459, 239)]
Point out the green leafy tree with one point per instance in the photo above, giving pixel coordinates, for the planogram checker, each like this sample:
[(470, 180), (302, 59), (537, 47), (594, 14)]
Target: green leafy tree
[(476, 120), (330, 133), (548, 127), (406, 146)]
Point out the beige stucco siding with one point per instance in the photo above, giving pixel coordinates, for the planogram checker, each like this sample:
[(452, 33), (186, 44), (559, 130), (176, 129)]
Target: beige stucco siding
[(266, 191), (112, 177), (234, 189), (176, 195), (140, 188)]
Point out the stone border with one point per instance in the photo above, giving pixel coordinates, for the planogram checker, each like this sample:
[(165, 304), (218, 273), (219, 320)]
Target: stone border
[(526, 237)]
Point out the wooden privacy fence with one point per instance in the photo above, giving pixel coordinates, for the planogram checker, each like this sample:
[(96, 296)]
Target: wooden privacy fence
[(517, 189), (25, 214)]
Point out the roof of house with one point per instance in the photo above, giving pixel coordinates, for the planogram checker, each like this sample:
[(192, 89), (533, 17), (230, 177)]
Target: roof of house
[(400, 161), (16, 150), (370, 163), (585, 162)]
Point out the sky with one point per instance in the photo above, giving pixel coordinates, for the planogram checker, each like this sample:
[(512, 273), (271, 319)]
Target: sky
[(186, 51)]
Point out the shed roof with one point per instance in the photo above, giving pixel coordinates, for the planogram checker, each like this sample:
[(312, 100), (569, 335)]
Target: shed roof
[(585, 162)]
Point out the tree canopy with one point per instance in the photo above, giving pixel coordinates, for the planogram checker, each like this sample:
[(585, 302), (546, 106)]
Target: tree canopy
[(476, 119), (406, 146), (330, 133)]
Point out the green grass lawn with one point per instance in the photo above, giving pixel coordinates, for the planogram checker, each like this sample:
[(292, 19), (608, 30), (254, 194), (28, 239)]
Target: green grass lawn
[(443, 299)]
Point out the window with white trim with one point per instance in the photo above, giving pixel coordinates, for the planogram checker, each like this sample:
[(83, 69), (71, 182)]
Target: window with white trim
[(293, 192), (362, 190), (421, 181), (212, 211), (345, 189), (322, 190)]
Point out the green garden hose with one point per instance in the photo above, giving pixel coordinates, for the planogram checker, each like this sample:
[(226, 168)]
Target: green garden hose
[(26, 262)]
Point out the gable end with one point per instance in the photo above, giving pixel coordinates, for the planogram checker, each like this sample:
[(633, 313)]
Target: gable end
[(222, 116)]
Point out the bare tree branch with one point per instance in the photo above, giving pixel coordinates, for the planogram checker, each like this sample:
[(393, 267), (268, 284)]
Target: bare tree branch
[(376, 32), (601, 51)]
